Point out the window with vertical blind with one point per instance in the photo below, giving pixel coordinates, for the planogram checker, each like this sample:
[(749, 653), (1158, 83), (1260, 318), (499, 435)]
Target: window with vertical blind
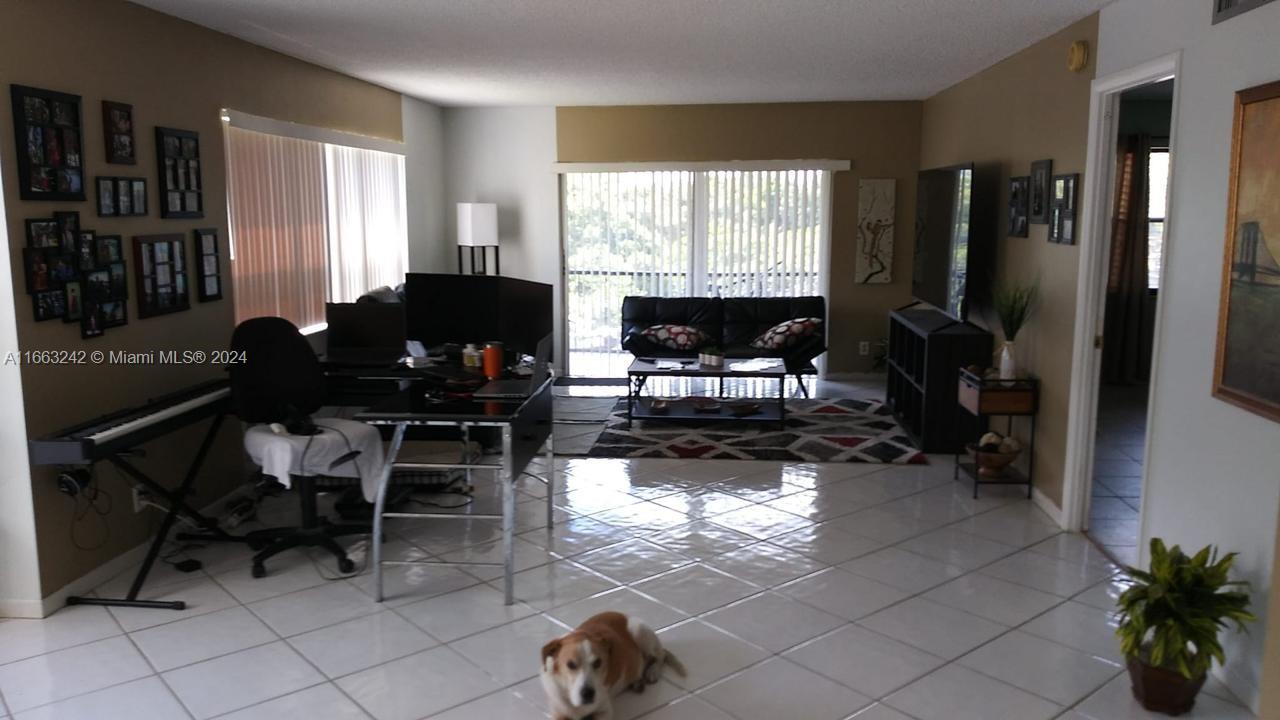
[(731, 233), (311, 222)]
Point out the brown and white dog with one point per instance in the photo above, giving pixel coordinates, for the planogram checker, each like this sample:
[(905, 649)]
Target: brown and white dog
[(606, 654)]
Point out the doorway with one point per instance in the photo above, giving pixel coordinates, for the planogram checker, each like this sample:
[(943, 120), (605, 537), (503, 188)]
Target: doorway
[(1134, 241)]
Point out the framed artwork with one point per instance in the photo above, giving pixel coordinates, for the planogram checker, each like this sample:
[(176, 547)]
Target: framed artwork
[(121, 196), (68, 229), (208, 265), (1062, 217), (43, 233), (873, 262), (181, 184), (49, 305), (1038, 197), (161, 271), (47, 131), (86, 251), (1019, 187), (117, 133), (1245, 371), (73, 302), (107, 249)]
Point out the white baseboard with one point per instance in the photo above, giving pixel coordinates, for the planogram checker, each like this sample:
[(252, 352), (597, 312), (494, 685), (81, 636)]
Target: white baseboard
[(92, 579), (1050, 508), (10, 608)]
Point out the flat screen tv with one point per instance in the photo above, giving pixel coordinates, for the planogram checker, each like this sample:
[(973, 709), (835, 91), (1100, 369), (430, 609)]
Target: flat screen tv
[(443, 308), (951, 247)]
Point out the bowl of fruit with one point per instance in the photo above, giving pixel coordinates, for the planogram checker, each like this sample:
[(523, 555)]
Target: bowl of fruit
[(994, 453)]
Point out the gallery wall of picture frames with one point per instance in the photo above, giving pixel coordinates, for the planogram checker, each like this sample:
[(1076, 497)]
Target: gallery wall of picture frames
[(78, 275)]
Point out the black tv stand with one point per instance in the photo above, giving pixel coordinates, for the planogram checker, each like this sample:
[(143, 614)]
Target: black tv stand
[(927, 348)]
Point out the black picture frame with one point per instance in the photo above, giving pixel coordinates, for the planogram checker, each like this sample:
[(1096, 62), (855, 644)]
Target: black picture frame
[(49, 138), (43, 233), (107, 249), (73, 302), (1019, 188), (179, 168), (117, 133), (1062, 225), (208, 263), (118, 196), (1039, 207), (86, 251), (160, 273), (49, 305)]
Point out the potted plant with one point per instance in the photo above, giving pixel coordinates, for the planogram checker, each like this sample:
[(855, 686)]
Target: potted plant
[(1014, 305), (1170, 620)]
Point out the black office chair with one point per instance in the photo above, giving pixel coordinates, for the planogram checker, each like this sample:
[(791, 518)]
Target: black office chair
[(281, 381)]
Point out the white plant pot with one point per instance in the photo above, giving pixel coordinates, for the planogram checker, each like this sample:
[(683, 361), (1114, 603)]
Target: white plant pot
[(1008, 366)]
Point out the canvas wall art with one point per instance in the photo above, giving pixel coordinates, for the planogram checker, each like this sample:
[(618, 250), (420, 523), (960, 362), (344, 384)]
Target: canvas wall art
[(873, 262), (1247, 368)]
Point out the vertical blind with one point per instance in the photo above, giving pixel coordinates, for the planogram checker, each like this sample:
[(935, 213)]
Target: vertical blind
[(276, 209), (311, 221), (367, 221), (730, 233)]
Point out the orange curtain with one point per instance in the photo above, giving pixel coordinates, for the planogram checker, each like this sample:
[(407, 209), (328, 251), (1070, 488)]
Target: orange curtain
[(1126, 344), (276, 200)]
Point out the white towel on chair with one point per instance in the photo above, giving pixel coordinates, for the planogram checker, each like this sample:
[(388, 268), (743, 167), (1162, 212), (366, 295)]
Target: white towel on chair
[(282, 455)]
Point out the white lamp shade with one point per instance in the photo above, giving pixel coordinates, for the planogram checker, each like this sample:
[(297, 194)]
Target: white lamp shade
[(477, 224)]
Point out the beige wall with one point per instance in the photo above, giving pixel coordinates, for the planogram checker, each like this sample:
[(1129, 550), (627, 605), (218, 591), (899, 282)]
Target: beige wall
[(1025, 108), (179, 75), (880, 138)]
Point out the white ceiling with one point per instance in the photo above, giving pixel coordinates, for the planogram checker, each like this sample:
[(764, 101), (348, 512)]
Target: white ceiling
[(628, 52)]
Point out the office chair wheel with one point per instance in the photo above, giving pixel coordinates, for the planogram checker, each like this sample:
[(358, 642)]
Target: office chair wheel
[(345, 565), (259, 570)]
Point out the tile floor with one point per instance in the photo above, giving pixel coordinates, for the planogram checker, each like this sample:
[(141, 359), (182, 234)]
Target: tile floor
[(910, 600), (1117, 470)]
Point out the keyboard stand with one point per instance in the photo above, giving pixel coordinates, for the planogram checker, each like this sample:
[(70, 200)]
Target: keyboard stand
[(177, 499)]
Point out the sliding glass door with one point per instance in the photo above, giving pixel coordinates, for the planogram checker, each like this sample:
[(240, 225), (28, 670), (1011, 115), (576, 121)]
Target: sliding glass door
[(730, 233)]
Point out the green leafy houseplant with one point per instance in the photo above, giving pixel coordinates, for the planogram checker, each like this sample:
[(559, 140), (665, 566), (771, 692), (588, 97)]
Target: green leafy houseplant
[(1170, 621), (1014, 305)]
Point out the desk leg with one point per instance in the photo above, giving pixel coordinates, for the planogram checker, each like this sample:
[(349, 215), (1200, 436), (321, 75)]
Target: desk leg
[(466, 453), (506, 476), (551, 479), (379, 506)]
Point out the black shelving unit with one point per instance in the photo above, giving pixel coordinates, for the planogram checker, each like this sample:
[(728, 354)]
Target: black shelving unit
[(927, 348)]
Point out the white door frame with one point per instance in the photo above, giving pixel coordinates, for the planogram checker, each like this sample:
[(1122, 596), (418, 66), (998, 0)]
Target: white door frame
[(1091, 286)]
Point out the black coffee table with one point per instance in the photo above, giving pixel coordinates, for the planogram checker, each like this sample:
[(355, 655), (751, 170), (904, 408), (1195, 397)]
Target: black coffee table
[(771, 410)]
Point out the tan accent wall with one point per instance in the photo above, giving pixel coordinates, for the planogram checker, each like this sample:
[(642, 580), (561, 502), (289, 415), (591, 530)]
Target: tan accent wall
[(881, 139), (1025, 108), (175, 74)]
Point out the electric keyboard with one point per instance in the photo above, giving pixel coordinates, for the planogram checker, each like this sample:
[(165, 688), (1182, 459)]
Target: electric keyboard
[(99, 438)]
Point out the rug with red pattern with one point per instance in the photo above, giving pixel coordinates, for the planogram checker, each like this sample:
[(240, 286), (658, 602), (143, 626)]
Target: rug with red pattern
[(860, 431)]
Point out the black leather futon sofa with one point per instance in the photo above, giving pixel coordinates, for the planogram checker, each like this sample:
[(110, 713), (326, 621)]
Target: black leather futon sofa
[(730, 323)]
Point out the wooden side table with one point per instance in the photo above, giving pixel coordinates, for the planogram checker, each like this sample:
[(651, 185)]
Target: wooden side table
[(983, 398)]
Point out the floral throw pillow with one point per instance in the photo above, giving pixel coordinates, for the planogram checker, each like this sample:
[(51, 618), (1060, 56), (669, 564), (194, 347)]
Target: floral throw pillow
[(676, 337), (787, 334)]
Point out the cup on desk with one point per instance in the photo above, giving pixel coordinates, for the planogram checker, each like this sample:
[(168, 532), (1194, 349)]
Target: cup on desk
[(493, 360)]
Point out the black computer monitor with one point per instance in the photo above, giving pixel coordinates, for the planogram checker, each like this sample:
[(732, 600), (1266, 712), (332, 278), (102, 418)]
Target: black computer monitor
[(442, 308)]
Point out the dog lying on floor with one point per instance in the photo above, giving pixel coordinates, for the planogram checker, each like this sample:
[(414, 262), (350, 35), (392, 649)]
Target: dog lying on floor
[(583, 671)]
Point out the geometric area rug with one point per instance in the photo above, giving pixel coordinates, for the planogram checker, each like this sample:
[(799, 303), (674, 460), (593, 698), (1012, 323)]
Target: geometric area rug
[(856, 431)]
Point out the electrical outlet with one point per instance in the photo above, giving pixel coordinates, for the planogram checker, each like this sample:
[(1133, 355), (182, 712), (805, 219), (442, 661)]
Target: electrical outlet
[(864, 347), (140, 499)]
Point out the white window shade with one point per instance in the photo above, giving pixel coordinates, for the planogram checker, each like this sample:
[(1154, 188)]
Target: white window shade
[(367, 222)]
